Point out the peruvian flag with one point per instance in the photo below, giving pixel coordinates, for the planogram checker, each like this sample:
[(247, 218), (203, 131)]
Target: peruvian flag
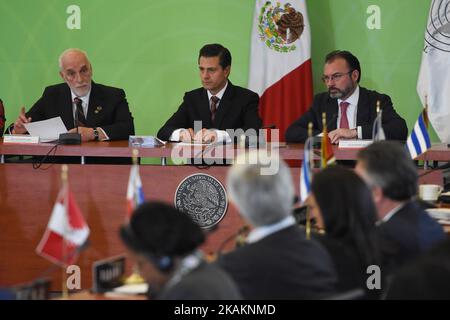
[(280, 61), (135, 193), (66, 232)]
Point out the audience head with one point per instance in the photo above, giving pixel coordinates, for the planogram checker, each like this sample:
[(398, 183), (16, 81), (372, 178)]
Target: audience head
[(342, 205), (159, 236), (261, 188)]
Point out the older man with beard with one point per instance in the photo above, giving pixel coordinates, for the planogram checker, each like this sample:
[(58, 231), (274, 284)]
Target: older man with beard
[(100, 112), (350, 109)]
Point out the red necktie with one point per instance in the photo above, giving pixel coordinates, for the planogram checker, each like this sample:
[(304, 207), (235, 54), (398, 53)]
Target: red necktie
[(214, 101), (343, 124)]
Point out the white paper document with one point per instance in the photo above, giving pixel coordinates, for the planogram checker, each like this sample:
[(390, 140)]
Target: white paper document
[(47, 130)]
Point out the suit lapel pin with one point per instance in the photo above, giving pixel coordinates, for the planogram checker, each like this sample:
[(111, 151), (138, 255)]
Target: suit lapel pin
[(98, 109)]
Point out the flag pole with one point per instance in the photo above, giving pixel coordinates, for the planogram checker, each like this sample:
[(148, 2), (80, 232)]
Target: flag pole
[(323, 146), (135, 155), (425, 119), (64, 179), (308, 218), (135, 277)]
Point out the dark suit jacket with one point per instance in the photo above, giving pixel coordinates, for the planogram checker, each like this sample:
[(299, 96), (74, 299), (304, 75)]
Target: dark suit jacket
[(283, 265), (206, 282), (407, 234), (238, 109), (113, 115), (393, 125)]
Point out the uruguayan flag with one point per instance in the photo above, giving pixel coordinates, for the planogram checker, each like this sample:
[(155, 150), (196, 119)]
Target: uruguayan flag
[(419, 140), (305, 173)]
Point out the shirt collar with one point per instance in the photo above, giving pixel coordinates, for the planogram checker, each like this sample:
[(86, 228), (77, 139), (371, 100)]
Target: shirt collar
[(389, 215), (261, 232), (219, 94), (353, 99), (84, 98)]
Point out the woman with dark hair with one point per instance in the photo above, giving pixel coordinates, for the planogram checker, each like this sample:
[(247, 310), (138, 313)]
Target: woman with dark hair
[(343, 208)]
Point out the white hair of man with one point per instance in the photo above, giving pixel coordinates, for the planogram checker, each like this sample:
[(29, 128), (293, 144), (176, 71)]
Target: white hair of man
[(261, 199), (71, 50)]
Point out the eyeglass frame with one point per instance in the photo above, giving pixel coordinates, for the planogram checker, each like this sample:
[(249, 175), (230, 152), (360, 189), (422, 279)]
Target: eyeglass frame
[(335, 76)]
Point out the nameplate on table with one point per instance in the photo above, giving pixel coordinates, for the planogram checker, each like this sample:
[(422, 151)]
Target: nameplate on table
[(19, 138), (145, 141), (108, 274), (355, 143)]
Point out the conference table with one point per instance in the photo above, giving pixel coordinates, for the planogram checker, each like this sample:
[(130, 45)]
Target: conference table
[(27, 197)]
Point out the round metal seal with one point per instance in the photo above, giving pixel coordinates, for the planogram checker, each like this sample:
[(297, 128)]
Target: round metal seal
[(203, 197)]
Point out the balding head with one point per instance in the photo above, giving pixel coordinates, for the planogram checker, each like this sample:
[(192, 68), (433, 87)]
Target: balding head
[(76, 70)]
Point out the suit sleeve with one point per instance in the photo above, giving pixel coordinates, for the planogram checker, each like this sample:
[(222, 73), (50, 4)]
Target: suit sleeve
[(298, 131), (122, 125), (180, 119), (394, 126), (36, 111), (251, 116)]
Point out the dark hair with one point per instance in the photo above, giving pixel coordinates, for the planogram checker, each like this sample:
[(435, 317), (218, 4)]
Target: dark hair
[(352, 61), (159, 229), (390, 167), (216, 50), (348, 210)]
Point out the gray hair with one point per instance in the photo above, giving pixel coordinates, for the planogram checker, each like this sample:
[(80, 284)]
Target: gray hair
[(389, 166), (70, 50), (262, 199)]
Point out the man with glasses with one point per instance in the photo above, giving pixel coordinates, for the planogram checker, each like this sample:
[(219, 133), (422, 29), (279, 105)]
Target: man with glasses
[(350, 109), (99, 112)]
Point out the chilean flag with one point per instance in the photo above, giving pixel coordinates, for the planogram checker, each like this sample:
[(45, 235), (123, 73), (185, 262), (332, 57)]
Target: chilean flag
[(66, 233), (280, 61), (135, 193)]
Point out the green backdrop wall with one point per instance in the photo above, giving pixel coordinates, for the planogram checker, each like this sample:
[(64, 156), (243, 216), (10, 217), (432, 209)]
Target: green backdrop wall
[(150, 47)]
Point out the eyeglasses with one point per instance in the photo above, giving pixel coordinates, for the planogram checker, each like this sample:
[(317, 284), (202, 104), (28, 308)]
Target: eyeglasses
[(335, 77)]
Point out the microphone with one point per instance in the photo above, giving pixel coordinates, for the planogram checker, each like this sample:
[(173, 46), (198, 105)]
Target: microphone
[(71, 137), (238, 236)]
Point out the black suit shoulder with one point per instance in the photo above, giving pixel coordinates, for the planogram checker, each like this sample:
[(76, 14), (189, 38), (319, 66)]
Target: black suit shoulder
[(408, 233), (283, 265)]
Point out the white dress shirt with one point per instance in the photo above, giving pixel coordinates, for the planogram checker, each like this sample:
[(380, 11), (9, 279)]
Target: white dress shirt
[(261, 232), (85, 105), (351, 111)]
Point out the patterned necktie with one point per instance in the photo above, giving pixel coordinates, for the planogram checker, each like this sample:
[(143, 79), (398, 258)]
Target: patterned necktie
[(214, 101), (343, 124), (80, 118)]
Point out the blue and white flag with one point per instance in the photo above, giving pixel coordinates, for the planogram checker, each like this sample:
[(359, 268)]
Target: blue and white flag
[(419, 140), (306, 173)]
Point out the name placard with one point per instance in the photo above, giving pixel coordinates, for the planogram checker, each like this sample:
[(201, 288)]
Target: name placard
[(108, 274), (354, 144), (14, 138)]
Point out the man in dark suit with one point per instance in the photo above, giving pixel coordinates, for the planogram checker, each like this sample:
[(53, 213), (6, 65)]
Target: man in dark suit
[(405, 230), (100, 112), (350, 109), (206, 113), (164, 243), (278, 262)]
